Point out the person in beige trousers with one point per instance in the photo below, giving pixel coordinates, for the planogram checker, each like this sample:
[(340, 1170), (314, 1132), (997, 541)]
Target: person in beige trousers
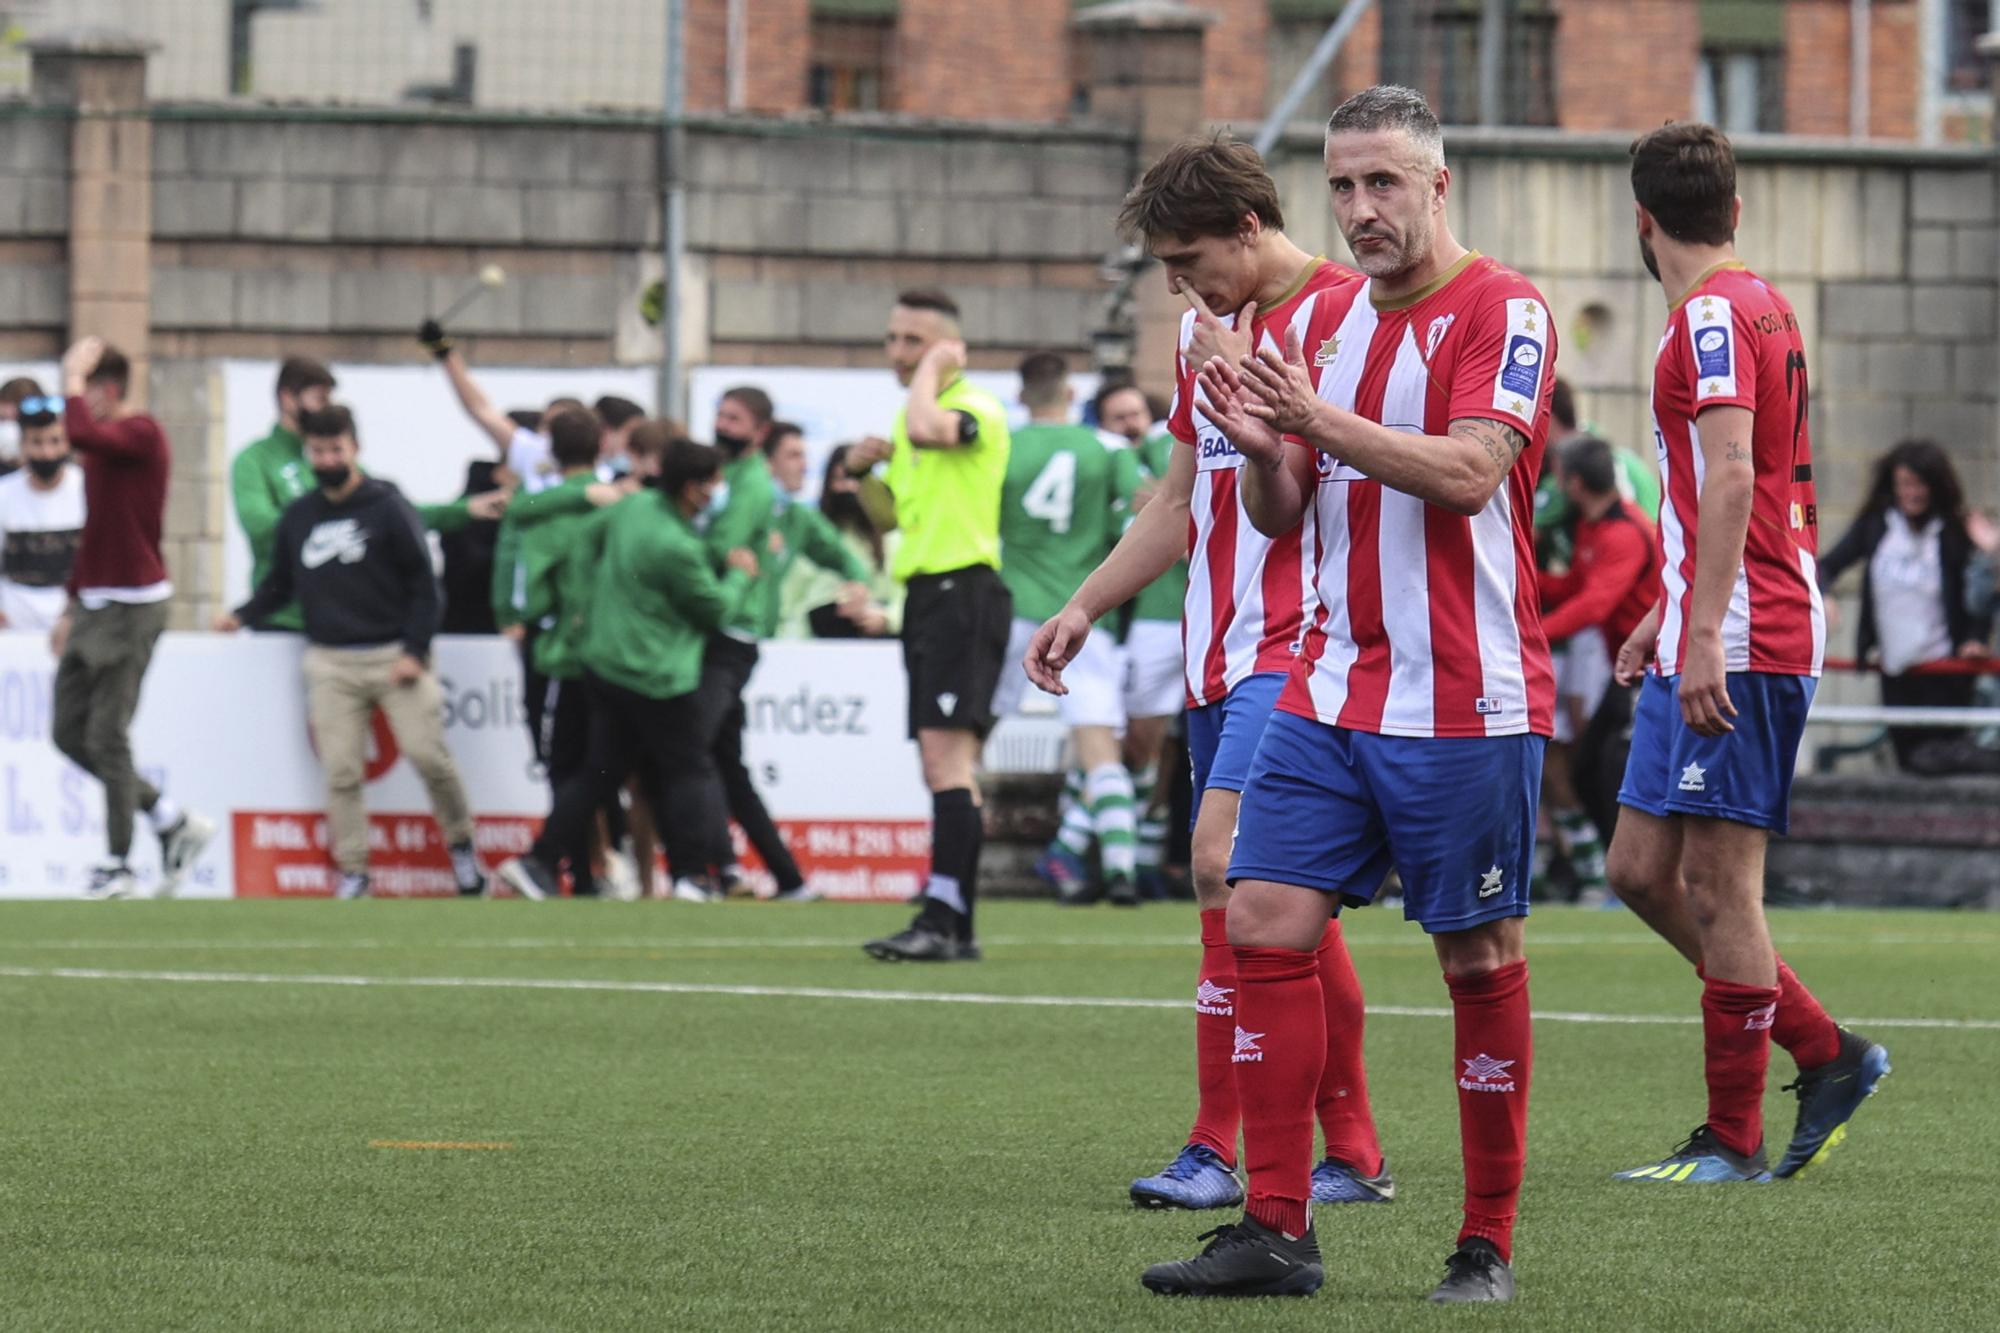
[(352, 552)]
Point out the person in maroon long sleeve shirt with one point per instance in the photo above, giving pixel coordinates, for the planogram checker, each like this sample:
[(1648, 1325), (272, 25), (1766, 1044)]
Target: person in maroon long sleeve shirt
[(118, 591), (1609, 587)]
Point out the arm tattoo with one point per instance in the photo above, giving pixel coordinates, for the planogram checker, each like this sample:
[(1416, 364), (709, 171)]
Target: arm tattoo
[(1502, 443), (1737, 452)]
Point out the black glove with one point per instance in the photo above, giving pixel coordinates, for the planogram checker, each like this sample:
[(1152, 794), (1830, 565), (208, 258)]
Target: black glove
[(432, 335)]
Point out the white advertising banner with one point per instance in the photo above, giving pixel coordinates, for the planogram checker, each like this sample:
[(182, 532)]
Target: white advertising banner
[(222, 726)]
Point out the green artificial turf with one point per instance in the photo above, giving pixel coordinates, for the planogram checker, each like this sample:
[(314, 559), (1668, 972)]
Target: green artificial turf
[(196, 1153)]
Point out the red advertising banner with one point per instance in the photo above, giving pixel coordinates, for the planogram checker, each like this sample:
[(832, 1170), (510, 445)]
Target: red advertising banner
[(856, 859), (285, 853)]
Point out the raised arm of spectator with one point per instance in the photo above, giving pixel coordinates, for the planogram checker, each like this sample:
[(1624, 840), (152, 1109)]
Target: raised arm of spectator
[(472, 398)]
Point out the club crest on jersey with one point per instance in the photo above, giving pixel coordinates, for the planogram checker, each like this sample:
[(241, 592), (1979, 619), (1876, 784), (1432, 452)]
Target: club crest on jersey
[(1435, 335)]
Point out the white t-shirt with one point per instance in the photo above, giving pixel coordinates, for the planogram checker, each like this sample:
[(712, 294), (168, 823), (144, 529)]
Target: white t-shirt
[(1907, 574), (533, 460), (39, 531)]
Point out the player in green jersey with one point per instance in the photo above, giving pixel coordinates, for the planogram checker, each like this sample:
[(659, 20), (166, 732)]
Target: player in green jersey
[(1060, 512)]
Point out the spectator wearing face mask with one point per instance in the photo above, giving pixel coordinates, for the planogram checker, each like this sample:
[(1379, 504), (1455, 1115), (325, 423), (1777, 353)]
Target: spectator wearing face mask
[(41, 521), (809, 603)]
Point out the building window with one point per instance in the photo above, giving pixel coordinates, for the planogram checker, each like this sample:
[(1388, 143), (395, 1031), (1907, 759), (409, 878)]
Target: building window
[(1966, 21), (849, 66), (1741, 89), (1433, 46)]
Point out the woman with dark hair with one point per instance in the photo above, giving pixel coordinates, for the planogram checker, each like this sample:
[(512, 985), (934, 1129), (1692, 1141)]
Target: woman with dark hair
[(809, 600), (1913, 547)]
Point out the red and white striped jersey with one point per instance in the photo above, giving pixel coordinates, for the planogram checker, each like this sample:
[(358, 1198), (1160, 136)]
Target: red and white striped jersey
[(1247, 594), (1733, 341), (1428, 623)]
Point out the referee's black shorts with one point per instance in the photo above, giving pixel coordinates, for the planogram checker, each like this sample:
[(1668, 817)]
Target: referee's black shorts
[(954, 643)]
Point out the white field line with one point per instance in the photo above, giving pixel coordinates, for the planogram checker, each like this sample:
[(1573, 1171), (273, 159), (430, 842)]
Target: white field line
[(838, 993), (1412, 939)]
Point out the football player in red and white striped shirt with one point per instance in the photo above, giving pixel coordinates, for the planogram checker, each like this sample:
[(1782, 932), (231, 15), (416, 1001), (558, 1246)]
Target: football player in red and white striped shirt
[(1411, 730), (1209, 212), (1740, 634)]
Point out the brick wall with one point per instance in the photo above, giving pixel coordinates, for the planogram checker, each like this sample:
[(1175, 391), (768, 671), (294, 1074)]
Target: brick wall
[(1817, 61), (1623, 65), (977, 60), (778, 36), (1234, 60)]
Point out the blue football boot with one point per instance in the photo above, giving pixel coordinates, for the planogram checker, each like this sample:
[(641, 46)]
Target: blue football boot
[(1064, 871), (1702, 1160), (1197, 1178), (1334, 1181), (1828, 1098)]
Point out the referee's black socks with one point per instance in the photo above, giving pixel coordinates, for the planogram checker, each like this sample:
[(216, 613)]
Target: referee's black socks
[(956, 836)]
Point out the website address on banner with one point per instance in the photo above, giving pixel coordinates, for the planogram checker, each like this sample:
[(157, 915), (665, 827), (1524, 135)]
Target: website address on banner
[(287, 854)]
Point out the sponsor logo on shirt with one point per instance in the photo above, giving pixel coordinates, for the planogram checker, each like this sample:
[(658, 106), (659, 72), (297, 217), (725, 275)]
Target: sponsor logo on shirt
[(342, 539), (1711, 333), (1487, 705), (1517, 387)]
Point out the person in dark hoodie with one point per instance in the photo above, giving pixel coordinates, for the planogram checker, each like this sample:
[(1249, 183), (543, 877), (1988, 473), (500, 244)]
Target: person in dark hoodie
[(1914, 548), (352, 553)]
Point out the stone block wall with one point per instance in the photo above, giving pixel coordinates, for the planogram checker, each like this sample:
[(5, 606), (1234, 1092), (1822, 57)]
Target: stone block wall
[(333, 233)]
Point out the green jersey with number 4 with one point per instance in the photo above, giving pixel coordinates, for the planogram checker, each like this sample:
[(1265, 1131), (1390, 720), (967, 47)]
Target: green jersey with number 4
[(1060, 511)]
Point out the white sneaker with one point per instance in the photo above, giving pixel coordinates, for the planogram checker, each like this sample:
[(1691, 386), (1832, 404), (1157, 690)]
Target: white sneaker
[(180, 847), (465, 869), (621, 877), (111, 879), (529, 878), (352, 885), (804, 893), (694, 891)]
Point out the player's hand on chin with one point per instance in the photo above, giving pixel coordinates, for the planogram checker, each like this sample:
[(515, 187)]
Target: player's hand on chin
[(1281, 388), (1704, 690), (1054, 646)]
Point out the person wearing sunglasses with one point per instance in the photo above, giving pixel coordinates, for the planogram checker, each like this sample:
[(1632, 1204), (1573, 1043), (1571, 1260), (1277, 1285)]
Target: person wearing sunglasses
[(41, 520)]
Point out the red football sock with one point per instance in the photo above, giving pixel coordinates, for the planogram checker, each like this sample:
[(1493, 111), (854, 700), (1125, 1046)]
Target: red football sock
[(1216, 1113), (1344, 1116), (1280, 1050), (1736, 1047), (1494, 1051), (1802, 1027)]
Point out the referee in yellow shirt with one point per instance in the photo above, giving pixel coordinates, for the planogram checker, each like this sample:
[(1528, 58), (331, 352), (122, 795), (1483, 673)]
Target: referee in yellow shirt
[(938, 479)]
